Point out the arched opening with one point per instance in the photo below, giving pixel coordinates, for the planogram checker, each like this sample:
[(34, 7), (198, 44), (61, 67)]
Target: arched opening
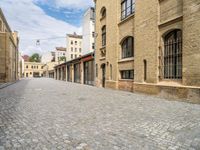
[(103, 12), (103, 68), (173, 55), (145, 70), (127, 47), (103, 30)]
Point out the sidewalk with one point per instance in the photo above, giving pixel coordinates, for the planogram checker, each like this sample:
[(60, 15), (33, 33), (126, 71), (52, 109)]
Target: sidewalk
[(3, 85)]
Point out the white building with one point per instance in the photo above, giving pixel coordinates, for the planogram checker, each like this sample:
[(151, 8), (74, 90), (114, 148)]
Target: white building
[(20, 66), (48, 57), (74, 46), (60, 54), (88, 31)]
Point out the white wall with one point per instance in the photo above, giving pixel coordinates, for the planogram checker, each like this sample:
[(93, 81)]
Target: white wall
[(88, 29), (47, 57)]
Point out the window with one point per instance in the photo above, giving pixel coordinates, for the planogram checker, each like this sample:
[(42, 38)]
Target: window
[(145, 70), (75, 49), (103, 12), (173, 55), (71, 56), (127, 74), (75, 56), (71, 49), (30, 73), (41, 67), (96, 70), (37, 67), (72, 42), (32, 67), (80, 50), (128, 48), (110, 72), (75, 42), (93, 46), (93, 34), (104, 36), (127, 8)]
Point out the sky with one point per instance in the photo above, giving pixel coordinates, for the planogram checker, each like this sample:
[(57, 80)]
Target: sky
[(46, 20)]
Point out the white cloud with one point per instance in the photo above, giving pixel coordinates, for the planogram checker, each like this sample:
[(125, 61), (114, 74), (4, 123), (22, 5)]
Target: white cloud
[(80, 4), (32, 23)]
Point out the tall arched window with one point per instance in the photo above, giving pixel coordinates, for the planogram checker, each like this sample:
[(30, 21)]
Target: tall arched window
[(173, 55), (128, 47), (103, 12), (103, 35)]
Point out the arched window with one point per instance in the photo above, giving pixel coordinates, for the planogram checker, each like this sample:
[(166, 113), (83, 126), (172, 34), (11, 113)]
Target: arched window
[(103, 30), (128, 47), (173, 55), (103, 12)]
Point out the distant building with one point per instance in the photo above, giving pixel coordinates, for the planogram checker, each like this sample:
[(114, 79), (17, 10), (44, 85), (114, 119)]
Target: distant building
[(33, 69), (20, 66), (26, 58), (88, 45), (9, 42), (48, 57), (74, 46), (49, 69), (60, 54)]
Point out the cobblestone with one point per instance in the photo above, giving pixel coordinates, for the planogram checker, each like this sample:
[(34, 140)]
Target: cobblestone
[(47, 114)]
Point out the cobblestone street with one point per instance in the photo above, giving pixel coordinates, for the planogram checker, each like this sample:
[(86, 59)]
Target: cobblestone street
[(47, 114)]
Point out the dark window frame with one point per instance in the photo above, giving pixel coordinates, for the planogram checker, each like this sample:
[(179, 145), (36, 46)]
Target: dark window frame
[(126, 9), (127, 74), (127, 48), (173, 55), (103, 36)]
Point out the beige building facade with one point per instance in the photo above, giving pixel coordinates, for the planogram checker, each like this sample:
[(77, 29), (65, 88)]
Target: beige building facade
[(9, 42), (33, 69), (151, 47), (74, 46)]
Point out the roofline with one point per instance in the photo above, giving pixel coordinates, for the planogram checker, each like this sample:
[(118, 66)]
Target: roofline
[(4, 19), (79, 58)]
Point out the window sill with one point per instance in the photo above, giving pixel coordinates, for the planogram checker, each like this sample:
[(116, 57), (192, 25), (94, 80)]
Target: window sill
[(102, 58), (103, 47), (102, 18), (126, 19), (126, 60)]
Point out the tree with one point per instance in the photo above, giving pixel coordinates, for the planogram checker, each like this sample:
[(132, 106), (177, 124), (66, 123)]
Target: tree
[(62, 58), (35, 58)]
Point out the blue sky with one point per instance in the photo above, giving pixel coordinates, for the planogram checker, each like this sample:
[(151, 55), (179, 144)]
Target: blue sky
[(70, 15), (44, 19)]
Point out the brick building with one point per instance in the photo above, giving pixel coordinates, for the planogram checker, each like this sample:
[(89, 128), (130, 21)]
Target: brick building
[(9, 42), (151, 47)]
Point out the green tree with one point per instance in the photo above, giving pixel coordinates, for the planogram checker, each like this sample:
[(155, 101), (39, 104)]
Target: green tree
[(63, 58), (35, 58)]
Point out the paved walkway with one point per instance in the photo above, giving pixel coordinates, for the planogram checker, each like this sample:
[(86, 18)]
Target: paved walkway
[(45, 114)]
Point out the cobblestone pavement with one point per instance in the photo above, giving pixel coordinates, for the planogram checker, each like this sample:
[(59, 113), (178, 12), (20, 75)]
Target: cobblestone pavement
[(47, 114)]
